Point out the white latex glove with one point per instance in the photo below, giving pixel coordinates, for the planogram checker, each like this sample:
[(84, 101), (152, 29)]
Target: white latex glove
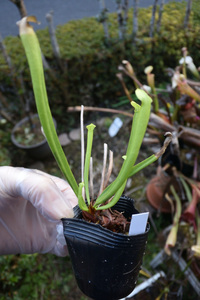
[(31, 206)]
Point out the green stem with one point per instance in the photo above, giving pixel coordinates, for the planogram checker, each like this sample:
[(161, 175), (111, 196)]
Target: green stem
[(172, 236), (149, 160), (33, 53), (175, 113), (90, 129), (114, 199), (81, 201), (178, 204), (143, 164), (155, 100), (187, 189), (139, 125)]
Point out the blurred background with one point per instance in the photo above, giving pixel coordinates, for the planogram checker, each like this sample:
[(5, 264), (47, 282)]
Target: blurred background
[(64, 11)]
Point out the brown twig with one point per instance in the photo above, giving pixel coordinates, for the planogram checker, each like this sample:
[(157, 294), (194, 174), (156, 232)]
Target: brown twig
[(128, 95), (107, 110), (161, 124), (167, 140), (121, 68)]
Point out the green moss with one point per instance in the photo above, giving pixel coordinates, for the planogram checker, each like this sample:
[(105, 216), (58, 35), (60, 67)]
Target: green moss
[(4, 157), (37, 277)]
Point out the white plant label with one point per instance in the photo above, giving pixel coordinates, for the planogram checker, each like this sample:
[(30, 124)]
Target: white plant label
[(115, 127), (138, 223)]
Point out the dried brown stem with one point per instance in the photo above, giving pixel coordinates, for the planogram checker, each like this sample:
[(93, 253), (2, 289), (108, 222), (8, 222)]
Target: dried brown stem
[(120, 77), (161, 124), (190, 131), (107, 110), (167, 140), (193, 83), (121, 68)]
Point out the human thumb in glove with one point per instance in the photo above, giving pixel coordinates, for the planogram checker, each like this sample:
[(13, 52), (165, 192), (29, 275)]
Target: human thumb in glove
[(31, 206)]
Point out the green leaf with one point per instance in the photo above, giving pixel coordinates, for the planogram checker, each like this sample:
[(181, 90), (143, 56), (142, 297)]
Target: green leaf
[(33, 53)]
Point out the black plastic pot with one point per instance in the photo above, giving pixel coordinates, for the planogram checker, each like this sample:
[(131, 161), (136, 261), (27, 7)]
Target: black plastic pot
[(106, 264), (39, 150)]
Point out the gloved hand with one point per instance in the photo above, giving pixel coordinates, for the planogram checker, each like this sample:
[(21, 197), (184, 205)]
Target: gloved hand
[(31, 206)]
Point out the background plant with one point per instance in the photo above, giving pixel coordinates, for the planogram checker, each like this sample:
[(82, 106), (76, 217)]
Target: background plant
[(97, 63)]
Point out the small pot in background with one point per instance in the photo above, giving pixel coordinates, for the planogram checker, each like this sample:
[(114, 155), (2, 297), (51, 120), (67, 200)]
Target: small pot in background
[(38, 150), (156, 189)]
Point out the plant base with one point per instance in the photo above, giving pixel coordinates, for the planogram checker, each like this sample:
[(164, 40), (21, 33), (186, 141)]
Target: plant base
[(106, 264)]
